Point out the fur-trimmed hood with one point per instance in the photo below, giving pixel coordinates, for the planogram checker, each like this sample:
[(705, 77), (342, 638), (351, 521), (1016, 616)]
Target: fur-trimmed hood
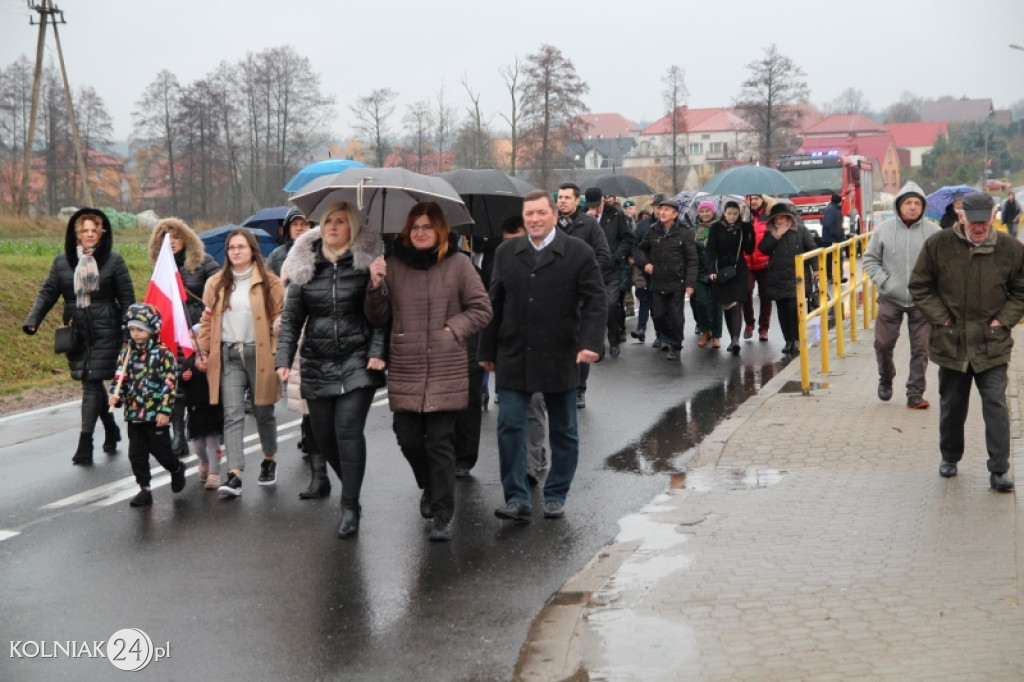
[(103, 248), (194, 249), (300, 265)]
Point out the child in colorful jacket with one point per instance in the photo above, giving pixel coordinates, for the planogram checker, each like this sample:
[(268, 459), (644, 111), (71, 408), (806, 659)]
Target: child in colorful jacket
[(145, 382)]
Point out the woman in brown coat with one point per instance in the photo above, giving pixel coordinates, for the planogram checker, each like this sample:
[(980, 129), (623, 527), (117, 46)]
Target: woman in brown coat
[(435, 300), (236, 349)]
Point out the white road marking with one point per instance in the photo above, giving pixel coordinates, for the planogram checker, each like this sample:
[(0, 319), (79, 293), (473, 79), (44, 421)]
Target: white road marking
[(41, 410), (4, 534)]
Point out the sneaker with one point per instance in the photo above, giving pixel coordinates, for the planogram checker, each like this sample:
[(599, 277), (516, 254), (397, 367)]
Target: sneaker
[(232, 487), (204, 471), (762, 335), (553, 510), (178, 479), (441, 530), (268, 472), (748, 331), (143, 499), (513, 511), (916, 402), (884, 390), (212, 482), (581, 399)]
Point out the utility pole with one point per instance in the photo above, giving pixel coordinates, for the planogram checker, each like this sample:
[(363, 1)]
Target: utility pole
[(48, 13)]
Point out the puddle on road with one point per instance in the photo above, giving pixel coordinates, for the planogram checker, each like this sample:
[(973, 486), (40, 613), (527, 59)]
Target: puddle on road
[(671, 443), (737, 478)]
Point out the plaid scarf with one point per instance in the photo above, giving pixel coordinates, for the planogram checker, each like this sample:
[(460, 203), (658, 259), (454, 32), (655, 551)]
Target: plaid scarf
[(87, 277)]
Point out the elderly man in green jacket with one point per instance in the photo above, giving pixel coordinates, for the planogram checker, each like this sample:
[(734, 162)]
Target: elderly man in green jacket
[(969, 283)]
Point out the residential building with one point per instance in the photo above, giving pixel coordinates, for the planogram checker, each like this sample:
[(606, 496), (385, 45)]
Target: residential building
[(917, 138)]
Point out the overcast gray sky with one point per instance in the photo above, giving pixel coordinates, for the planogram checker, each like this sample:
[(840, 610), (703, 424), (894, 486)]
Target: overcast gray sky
[(621, 49)]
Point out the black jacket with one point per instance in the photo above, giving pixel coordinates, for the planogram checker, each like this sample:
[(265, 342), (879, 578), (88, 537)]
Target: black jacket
[(327, 299), (195, 283), (674, 256), (780, 280), (586, 227), (832, 225), (615, 226), (725, 243), (100, 323), (547, 307)]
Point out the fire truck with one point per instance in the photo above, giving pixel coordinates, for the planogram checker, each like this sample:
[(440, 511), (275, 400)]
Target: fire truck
[(820, 173)]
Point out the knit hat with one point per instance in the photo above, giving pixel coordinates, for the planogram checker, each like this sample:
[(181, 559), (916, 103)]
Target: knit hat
[(706, 204)]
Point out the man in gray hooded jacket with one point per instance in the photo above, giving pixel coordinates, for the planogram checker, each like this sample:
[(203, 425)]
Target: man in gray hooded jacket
[(889, 259)]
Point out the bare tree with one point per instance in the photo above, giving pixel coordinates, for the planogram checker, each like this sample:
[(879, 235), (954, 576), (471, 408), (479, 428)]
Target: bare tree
[(552, 105), (475, 137), (849, 101), (767, 100), (371, 125), (510, 74), (444, 121), (419, 125), (674, 96), (15, 104), (155, 119), (95, 130), (907, 110)]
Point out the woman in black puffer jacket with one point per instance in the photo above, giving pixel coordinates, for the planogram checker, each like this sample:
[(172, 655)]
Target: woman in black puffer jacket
[(195, 266), (97, 289), (342, 355), (784, 238)]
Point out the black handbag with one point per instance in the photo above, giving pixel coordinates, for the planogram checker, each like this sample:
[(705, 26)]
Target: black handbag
[(728, 273), (67, 339)]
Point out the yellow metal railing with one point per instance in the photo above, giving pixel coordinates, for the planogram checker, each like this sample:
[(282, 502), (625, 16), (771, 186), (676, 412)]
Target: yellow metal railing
[(856, 299)]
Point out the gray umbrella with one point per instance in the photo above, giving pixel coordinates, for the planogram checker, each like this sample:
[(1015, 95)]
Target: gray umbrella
[(383, 196), (746, 180)]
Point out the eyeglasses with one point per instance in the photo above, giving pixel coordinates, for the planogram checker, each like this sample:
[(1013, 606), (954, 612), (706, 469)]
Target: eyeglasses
[(421, 228), (242, 247)]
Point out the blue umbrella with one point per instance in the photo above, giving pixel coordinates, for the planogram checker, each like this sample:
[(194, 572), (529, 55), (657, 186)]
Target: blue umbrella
[(315, 170), (269, 220), (943, 197), (744, 180), (213, 241)]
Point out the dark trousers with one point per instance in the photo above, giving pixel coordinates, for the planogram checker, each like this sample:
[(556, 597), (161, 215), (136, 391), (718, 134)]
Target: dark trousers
[(145, 439), (467, 421), (670, 316), (563, 437), (954, 398), (427, 440), (887, 333), (614, 321), (643, 312), (94, 403), (788, 319), (338, 425), (764, 315)]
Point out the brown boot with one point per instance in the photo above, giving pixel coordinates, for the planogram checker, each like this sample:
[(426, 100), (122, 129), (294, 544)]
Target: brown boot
[(704, 339)]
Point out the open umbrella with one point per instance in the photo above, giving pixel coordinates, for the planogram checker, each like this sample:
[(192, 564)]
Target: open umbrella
[(744, 180), (383, 196), (490, 196), (943, 197), (269, 220), (213, 241), (620, 185), (689, 214), (319, 169)]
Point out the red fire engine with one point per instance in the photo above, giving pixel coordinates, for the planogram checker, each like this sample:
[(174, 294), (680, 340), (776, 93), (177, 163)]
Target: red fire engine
[(818, 175)]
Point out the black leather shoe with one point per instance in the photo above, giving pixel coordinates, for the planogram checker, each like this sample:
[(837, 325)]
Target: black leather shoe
[(426, 510), (349, 522), (639, 336), (614, 351), (441, 530), (581, 399), (673, 354), (734, 348), (513, 511), (884, 391), (947, 469), (1001, 482)]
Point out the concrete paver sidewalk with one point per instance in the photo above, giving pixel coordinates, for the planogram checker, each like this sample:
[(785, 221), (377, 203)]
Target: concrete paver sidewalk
[(813, 539)]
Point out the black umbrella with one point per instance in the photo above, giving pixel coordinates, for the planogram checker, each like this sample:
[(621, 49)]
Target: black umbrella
[(490, 196), (620, 185)]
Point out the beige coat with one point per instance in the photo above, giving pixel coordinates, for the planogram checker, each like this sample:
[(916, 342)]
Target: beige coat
[(268, 385)]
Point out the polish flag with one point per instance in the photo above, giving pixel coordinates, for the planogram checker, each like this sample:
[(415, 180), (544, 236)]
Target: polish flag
[(166, 293)]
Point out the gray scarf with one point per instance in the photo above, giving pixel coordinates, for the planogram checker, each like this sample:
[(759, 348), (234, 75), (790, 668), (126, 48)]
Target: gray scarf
[(87, 277)]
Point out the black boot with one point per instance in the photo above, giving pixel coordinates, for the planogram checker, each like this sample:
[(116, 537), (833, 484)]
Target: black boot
[(349, 521), (112, 434), (319, 484), (306, 444), (83, 455), (179, 446)]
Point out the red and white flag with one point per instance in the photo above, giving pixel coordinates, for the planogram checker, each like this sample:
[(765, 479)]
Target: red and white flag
[(166, 293)]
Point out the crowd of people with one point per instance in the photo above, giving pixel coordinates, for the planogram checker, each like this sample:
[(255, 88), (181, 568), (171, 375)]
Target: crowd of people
[(331, 319)]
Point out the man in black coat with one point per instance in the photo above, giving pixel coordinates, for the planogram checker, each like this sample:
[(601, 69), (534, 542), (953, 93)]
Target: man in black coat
[(668, 254), (620, 242), (549, 315)]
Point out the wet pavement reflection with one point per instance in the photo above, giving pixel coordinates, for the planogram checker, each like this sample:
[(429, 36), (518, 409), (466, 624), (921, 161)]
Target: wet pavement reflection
[(669, 445)]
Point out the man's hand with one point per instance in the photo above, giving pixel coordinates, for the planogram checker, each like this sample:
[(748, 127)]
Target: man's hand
[(689, 291), (587, 356), (995, 323), (649, 268), (487, 365)]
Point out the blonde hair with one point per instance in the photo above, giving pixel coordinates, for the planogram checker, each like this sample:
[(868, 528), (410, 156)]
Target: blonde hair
[(354, 224)]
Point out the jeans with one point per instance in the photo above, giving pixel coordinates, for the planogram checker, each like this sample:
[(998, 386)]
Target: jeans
[(563, 439), (887, 332), (954, 398), (643, 313), (427, 440), (144, 438), (238, 372), (338, 425)]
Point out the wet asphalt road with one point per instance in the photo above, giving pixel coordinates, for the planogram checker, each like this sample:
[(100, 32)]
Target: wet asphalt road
[(261, 588)]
